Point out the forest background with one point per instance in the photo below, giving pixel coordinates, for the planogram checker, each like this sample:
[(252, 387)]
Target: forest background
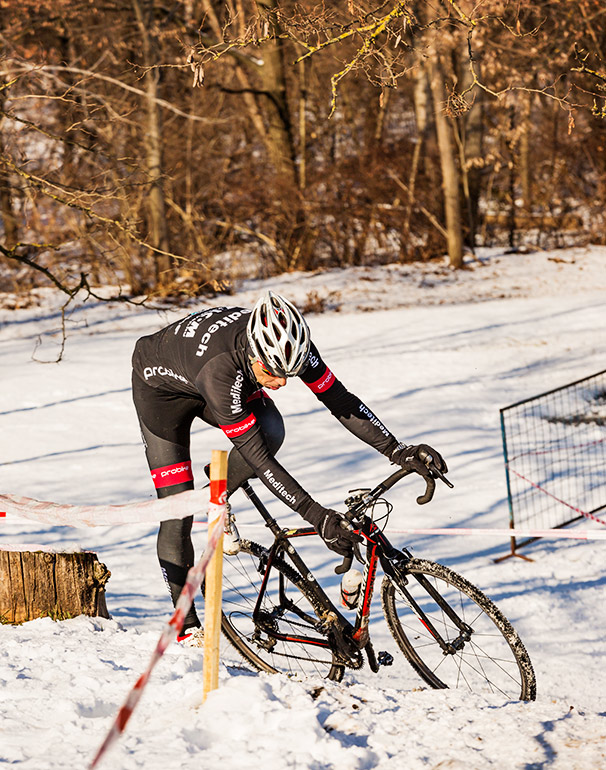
[(173, 148)]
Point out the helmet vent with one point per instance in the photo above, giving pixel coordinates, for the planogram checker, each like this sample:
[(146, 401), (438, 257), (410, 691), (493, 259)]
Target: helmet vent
[(278, 333)]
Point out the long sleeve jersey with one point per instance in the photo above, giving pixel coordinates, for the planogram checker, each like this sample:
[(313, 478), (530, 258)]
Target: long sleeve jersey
[(206, 356)]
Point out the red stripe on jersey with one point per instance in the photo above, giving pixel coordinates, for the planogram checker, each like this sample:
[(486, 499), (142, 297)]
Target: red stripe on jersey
[(239, 428), (323, 384), (172, 474)]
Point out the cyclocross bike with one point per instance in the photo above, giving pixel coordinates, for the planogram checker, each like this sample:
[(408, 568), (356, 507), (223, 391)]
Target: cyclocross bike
[(276, 614)]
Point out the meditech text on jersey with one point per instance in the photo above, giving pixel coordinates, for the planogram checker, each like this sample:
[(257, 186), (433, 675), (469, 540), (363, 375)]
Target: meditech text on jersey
[(374, 420), (313, 361), (220, 323), (279, 487), (195, 319), (236, 393)]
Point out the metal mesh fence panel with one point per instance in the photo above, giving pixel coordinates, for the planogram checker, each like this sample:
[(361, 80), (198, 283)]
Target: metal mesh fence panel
[(555, 455)]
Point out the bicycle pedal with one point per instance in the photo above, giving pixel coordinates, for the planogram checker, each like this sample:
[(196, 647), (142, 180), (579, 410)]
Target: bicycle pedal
[(384, 658)]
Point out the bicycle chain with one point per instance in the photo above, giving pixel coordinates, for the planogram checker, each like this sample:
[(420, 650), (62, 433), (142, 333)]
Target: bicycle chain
[(353, 662)]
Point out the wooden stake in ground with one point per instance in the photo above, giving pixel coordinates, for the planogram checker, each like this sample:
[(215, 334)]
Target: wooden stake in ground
[(38, 584), (214, 573)]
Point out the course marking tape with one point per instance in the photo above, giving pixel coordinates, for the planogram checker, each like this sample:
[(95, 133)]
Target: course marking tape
[(557, 499), (35, 547), (189, 503), (557, 533), (581, 534), (195, 576)]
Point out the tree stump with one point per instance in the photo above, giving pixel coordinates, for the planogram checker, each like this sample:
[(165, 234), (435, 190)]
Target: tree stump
[(37, 584)]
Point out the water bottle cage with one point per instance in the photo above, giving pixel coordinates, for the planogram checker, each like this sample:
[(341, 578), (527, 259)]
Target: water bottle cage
[(351, 585)]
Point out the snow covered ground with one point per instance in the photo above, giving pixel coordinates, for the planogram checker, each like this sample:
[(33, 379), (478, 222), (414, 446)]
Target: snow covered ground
[(436, 362)]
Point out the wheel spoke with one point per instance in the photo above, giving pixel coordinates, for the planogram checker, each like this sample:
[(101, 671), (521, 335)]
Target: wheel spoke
[(482, 654), (257, 642)]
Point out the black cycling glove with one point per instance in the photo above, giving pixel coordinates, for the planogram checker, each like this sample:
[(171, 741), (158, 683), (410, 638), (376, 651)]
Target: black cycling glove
[(334, 530), (416, 458)]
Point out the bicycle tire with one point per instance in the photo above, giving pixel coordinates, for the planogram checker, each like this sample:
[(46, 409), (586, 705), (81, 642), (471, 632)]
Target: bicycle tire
[(493, 660), (241, 585)]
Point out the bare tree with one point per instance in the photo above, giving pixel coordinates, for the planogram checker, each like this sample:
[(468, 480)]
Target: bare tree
[(320, 136)]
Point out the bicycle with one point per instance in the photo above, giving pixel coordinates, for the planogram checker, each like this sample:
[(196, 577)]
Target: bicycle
[(280, 619)]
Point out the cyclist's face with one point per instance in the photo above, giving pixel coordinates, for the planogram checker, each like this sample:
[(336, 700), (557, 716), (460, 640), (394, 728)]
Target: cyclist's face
[(265, 378)]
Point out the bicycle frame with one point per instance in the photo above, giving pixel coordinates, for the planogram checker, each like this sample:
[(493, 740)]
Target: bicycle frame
[(342, 637), (330, 621), (393, 562)]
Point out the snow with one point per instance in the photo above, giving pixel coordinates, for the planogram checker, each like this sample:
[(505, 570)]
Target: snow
[(436, 359)]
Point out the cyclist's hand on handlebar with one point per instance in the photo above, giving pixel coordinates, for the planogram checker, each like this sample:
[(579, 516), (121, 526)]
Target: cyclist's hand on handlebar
[(337, 533), (419, 458), (424, 460)]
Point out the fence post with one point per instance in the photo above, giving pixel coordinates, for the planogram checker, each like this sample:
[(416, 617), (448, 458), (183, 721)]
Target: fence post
[(214, 574)]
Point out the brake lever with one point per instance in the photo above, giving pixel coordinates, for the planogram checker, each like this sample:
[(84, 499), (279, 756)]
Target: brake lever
[(430, 484), (441, 476), (345, 566)]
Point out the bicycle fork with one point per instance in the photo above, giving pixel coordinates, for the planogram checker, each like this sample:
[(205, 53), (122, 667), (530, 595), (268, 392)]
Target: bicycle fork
[(400, 580), (394, 565)]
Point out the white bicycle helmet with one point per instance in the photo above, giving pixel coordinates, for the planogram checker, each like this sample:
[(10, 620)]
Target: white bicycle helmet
[(278, 335)]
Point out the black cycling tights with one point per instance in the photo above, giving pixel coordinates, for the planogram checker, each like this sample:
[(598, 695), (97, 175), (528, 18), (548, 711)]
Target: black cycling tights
[(165, 421)]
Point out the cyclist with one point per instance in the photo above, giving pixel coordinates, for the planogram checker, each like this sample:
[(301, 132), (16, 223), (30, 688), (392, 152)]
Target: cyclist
[(217, 365)]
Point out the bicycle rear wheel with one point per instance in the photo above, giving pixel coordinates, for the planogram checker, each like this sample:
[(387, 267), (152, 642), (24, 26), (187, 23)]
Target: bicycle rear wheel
[(288, 615), (489, 659)]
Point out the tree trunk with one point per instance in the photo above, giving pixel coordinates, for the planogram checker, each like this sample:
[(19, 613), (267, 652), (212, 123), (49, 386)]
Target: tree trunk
[(450, 174), (421, 107), (302, 125), (37, 584), (511, 146), (472, 147), (297, 243), (208, 13), (11, 231), (9, 221), (156, 204), (280, 127), (525, 163), (271, 115)]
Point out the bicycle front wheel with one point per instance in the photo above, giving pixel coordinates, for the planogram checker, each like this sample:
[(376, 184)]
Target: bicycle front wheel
[(284, 634), (484, 655)]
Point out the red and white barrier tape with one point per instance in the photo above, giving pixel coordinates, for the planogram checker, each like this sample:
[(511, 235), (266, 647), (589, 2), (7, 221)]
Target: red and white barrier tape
[(583, 534), (562, 502), (194, 580), (553, 450), (67, 548), (189, 503)]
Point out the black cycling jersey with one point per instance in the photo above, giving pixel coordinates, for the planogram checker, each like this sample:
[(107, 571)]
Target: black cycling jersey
[(205, 357)]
